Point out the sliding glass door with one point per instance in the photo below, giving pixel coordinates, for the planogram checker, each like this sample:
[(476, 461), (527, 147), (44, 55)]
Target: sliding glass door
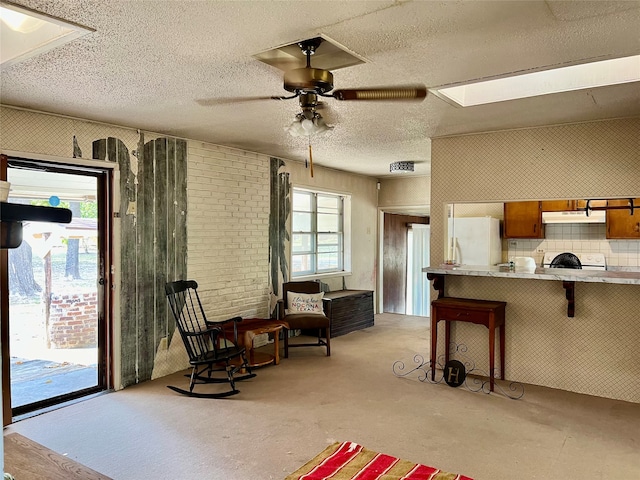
[(58, 300)]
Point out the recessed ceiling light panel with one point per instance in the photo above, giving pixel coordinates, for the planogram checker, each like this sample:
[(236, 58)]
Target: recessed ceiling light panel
[(564, 79), (26, 33)]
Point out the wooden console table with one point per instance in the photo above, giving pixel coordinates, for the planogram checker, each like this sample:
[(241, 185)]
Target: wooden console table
[(483, 312)]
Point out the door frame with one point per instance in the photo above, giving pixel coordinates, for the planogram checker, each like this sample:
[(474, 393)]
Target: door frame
[(108, 191), (420, 210)]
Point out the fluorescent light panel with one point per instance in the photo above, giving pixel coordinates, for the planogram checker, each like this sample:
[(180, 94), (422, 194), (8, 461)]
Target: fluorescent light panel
[(564, 79), (26, 33)]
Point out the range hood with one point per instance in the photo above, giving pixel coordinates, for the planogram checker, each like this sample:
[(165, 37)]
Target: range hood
[(595, 216)]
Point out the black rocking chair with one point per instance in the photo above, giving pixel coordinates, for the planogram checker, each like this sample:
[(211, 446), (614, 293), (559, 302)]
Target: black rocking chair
[(208, 348)]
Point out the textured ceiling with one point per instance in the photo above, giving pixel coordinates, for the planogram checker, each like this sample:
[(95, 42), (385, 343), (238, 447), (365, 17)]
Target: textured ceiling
[(155, 64)]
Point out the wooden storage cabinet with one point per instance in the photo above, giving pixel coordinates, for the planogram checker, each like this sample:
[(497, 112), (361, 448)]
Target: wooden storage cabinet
[(351, 310), (570, 205), (558, 205), (523, 220), (582, 204), (620, 223)]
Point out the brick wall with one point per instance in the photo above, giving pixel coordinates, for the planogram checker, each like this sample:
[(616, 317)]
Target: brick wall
[(73, 320), (228, 229)]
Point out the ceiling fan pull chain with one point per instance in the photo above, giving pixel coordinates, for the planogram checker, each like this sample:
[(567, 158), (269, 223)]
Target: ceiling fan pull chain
[(310, 158)]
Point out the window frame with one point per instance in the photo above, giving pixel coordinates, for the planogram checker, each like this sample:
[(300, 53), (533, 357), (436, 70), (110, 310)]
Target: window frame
[(344, 235)]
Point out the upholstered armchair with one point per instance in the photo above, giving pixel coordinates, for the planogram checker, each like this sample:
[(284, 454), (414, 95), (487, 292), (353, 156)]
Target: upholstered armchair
[(303, 308)]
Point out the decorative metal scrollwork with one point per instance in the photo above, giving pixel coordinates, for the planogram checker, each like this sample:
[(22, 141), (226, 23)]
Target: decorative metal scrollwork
[(476, 380)]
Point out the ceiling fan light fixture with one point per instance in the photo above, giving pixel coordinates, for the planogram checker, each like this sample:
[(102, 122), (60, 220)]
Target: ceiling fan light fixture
[(401, 167), (307, 125), (321, 126), (295, 129)]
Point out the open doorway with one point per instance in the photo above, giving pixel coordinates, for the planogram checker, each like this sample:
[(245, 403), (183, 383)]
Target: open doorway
[(418, 300), (402, 268), (58, 293)]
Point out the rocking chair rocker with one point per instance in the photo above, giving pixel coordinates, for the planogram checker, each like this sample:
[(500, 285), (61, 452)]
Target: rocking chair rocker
[(208, 349)]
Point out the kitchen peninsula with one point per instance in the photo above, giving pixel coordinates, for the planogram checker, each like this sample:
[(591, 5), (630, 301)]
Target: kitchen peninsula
[(566, 275), (595, 352), (543, 346)]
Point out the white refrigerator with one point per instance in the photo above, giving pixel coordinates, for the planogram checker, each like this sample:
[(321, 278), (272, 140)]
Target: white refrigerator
[(475, 240)]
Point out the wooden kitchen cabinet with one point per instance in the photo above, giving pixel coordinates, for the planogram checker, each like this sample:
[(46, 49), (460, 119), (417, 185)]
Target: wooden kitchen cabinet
[(620, 223), (558, 205), (582, 204), (570, 205), (523, 220)]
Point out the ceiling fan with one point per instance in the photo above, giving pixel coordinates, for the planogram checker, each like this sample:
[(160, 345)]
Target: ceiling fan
[(315, 81), (320, 82), (308, 83)]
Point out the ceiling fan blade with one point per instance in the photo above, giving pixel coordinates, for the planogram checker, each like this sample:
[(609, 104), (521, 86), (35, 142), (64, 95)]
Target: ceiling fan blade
[(417, 93), (211, 102)]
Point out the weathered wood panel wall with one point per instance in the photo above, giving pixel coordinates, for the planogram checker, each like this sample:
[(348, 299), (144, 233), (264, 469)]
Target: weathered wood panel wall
[(153, 208), (280, 208)]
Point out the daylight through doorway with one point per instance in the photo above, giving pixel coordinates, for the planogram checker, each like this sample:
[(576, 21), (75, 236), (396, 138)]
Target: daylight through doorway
[(56, 310)]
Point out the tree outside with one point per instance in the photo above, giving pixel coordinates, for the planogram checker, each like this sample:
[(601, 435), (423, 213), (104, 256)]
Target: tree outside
[(54, 262)]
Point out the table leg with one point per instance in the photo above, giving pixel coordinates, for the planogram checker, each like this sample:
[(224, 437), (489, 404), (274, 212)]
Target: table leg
[(502, 351), (434, 342), (447, 340), (492, 345), (276, 346)]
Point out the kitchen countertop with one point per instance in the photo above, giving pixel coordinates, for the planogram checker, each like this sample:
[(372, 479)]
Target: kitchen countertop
[(562, 274)]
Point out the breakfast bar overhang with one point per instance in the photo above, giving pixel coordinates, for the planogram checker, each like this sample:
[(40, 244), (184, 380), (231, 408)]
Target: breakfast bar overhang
[(567, 276)]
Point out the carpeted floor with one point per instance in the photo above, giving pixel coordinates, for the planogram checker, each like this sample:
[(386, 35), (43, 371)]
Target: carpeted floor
[(290, 412)]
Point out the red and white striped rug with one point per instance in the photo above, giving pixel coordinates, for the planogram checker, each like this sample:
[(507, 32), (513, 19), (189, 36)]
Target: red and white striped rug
[(350, 461)]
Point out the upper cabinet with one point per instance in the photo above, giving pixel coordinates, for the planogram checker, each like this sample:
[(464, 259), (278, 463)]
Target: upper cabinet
[(523, 220), (570, 205), (558, 205), (620, 223), (582, 204)]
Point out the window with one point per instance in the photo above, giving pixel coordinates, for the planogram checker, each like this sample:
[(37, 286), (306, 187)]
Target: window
[(318, 237)]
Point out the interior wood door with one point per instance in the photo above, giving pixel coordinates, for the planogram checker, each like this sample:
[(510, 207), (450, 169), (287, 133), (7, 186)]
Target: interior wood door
[(394, 261)]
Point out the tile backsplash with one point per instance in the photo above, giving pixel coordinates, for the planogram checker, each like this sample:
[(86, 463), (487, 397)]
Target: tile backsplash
[(579, 238)]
